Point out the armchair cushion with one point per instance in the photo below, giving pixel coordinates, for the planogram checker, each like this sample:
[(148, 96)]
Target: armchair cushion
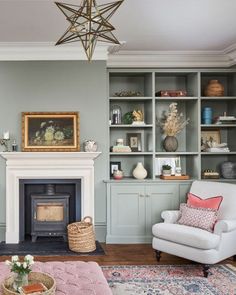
[(186, 235), (224, 226), (203, 218), (211, 203)]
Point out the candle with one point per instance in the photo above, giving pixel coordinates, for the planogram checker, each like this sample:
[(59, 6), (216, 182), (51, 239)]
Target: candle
[(6, 135)]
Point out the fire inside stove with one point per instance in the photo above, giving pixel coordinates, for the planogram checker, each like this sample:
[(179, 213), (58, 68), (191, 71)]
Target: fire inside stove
[(49, 212)]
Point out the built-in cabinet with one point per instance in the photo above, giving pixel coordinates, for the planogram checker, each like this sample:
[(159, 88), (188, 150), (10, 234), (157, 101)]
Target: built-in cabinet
[(134, 206)]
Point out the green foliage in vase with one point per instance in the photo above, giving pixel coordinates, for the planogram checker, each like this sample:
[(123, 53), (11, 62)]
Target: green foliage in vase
[(166, 167), (128, 118), (23, 267)]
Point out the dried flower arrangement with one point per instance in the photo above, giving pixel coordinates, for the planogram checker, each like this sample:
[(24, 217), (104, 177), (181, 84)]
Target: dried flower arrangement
[(172, 122)]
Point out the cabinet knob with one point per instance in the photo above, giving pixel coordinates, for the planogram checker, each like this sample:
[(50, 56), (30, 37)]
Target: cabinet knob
[(148, 195), (141, 195)]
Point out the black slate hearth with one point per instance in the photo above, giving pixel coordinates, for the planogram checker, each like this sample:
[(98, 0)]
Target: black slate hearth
[(44, 247)]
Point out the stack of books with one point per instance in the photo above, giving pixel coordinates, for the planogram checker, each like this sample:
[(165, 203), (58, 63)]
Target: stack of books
[(33, 289), (225, 120), (219, 148), (121, 149)]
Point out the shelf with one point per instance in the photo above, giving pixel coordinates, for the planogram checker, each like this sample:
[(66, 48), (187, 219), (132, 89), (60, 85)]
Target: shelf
[(176, 153), (220, 179), (175, 98), (217, 125), (131, 126), (218, 98), (129, 98), (131, 154), (217, 153)]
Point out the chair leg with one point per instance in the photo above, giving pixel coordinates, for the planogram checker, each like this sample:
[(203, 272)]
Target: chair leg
[(158, 255), (206, 270)]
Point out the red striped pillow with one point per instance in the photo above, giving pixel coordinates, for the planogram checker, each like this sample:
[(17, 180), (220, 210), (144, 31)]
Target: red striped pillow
[(210, 203)]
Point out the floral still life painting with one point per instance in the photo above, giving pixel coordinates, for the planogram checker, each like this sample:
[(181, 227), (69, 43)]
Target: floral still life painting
[(57, 131)]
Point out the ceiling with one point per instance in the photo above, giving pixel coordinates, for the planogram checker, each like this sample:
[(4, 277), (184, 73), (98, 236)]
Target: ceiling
[(144, 25)]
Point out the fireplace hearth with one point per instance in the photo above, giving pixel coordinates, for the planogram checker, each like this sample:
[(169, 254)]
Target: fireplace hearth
[(49, 214)]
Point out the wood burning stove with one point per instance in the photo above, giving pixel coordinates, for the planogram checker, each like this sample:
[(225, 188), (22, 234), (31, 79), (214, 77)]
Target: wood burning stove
[(50, 214)]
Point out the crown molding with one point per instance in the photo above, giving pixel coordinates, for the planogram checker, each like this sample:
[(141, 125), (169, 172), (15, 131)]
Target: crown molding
[(116, 57), (222, 58), (23, 51)]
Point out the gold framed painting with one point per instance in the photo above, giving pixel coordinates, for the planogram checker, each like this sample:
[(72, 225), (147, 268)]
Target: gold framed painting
[(210, 135), (50, 131)]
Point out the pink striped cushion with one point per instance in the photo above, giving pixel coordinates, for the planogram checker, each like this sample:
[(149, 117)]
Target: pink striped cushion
[(203, 218), (212, 203)]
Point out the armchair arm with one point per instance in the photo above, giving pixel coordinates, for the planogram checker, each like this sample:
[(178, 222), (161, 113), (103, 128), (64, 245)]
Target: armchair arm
[(223, 226), (170, 216)]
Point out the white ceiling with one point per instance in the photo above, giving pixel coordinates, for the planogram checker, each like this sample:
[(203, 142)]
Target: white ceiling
[(167, 33), (144, 24)]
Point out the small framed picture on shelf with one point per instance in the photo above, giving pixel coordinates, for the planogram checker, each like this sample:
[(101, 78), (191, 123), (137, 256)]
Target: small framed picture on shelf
[(210, 135), (114, 166), (134, 141), (170, 161)]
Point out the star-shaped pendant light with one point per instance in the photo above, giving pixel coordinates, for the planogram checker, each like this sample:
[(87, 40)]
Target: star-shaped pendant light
[(89, 23)]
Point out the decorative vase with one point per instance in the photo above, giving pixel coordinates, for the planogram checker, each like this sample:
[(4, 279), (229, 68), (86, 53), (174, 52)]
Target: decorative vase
[(170, 143), (90, 146), (20, 280), (214, 88), (139, 171)]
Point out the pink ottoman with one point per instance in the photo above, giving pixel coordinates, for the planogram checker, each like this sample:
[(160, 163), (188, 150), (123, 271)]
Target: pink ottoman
[(72, 277)]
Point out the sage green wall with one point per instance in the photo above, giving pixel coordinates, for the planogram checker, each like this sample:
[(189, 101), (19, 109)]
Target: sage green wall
[(57, 86)]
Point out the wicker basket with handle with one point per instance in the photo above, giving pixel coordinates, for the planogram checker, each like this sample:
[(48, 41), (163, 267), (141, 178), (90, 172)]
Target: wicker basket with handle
[(81, 237)]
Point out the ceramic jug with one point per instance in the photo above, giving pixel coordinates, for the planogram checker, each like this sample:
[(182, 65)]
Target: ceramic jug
[(90, 146)]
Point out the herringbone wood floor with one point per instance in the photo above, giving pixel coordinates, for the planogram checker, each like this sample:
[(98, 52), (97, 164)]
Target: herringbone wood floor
[(135, 254)]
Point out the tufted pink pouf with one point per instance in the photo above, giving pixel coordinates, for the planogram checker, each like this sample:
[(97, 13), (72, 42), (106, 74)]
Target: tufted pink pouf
[(72, 277)]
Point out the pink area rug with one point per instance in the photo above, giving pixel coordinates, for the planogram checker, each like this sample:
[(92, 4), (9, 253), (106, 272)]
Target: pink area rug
[(170, 280), (72, 277)]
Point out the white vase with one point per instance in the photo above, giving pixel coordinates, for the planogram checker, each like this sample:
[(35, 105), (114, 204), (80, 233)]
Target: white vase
[(139, 171)]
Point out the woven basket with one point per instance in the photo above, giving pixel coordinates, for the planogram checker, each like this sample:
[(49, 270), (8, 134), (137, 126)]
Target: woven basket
[(34, 277), (81, 236)]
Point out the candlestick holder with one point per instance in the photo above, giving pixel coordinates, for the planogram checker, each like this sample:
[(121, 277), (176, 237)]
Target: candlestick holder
[(4, 142)]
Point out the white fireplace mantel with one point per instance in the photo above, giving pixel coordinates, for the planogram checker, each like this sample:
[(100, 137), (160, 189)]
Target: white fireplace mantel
[(46, 165)]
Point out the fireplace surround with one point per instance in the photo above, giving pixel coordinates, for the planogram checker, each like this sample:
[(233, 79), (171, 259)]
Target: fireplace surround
[(46, 165)]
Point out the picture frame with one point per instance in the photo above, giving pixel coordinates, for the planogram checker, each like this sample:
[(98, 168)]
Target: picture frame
[(114, 166), (159, 162), (134, 141), (50, 131), (208, 134)]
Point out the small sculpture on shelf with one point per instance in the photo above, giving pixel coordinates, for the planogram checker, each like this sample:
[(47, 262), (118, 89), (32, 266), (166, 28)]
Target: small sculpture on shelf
[(137, 117), (5, 140), (134, 117), (129, 93)]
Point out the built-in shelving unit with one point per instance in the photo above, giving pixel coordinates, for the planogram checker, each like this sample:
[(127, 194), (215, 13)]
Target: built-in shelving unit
[(133, 206), (147, 83)]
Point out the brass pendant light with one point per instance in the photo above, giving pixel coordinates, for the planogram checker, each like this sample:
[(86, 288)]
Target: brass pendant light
[(89, 23)]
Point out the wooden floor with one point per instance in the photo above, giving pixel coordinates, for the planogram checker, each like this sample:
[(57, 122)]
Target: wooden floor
[(135, 254)]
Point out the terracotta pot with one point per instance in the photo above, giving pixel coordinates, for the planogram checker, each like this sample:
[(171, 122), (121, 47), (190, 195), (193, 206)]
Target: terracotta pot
[(214, 88), (170, 143)]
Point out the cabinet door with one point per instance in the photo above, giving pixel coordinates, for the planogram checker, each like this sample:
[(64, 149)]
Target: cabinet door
[(160, 197), (127, 213)]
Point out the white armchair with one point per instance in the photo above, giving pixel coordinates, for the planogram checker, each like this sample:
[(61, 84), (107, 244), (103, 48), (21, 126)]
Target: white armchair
[(196, 244)]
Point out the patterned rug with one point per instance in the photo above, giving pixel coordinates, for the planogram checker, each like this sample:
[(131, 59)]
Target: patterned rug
[(170, 280)]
